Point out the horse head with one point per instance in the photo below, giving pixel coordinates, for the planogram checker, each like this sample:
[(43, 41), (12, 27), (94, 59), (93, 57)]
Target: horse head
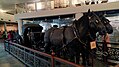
[(90, 24), (94, 25), (106, 23)]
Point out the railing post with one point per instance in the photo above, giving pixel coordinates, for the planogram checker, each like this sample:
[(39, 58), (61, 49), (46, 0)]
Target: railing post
[(105, 49), (92, 61), (9, 47), (24, 55), (5, 46), (52, 58), (34, 60)]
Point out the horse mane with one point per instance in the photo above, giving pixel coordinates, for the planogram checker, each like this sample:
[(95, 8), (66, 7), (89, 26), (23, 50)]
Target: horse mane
[(81, 25), (83, 19)]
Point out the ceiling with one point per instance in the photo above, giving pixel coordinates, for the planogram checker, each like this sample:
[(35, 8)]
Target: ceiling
[(9, 5)]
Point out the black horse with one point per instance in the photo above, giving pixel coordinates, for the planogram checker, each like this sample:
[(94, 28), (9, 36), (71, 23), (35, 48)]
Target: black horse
[(72, 40), (109, 30)]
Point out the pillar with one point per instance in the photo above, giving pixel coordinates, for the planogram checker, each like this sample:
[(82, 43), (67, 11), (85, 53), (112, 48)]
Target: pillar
[(5, 29), (20, 24)]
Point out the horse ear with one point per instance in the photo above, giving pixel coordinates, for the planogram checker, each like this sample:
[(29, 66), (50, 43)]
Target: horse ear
[(89, 12)]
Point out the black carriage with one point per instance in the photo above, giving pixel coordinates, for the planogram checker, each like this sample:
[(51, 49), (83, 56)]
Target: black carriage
[(32, 36)]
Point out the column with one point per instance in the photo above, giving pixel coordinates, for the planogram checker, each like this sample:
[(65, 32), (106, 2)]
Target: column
[(78, 15), (5, 29), (20, 24)]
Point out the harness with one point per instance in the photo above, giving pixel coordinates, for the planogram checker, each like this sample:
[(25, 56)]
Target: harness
[(77, 36)]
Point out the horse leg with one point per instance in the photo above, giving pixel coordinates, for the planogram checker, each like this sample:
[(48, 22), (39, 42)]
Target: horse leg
[(85, 58), (47, 47), (77, 59), (71, 55)]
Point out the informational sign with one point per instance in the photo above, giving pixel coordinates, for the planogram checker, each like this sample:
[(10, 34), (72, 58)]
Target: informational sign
[(93, 44)]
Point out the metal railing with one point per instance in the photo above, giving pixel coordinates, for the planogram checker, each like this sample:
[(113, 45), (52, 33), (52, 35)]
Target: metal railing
[(33, 58), (111, 53)]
